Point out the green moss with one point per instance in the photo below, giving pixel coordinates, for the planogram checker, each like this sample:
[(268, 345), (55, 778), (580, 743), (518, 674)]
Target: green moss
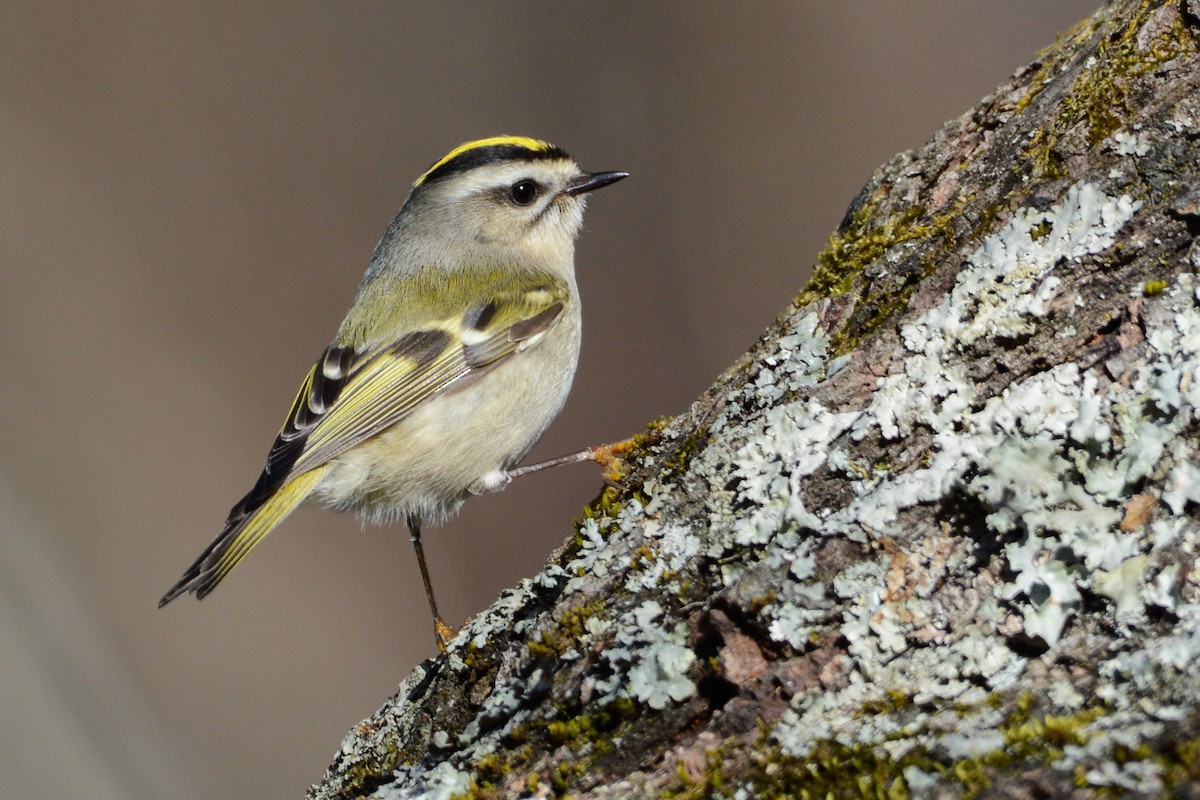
[(1041, 79), (892, 702), (986, 220), (605, 509), (517, 735), (1099, 97), (1072, 39), (1152, 288), (472, 656), (643, 554), (833, 769), (565, 630), (548, 647), (592, 726), (1177, 760), (1028, 736), (585, 736), (591, 731), (862, 242), (1097, 103), (692, 443), (563, 774), (712, 781), (858, 469), (490, 769), (1046, 159), (362, 777), (1180, 764), (757, 604)]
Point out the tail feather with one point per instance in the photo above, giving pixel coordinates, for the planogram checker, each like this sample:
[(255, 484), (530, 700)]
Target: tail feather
[(242, 532)]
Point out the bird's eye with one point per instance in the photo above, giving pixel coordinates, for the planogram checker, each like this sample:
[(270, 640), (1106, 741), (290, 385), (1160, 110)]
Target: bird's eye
[(523, 192)]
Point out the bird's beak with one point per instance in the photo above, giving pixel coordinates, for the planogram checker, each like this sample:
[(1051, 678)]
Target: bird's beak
[(593, 180)]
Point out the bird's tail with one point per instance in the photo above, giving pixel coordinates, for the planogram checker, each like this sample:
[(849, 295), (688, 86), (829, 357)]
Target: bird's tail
[(244, 529)]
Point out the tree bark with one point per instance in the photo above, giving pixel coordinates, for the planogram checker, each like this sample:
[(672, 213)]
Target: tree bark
[(934, 535)]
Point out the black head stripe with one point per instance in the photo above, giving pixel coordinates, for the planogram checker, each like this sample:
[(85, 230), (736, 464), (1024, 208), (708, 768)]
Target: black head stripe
[(490, 154)]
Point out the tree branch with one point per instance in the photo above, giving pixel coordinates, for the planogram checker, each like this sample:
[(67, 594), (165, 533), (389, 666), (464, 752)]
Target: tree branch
[(936, 533)]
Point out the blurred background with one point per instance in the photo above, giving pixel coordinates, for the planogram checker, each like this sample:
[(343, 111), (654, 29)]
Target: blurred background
[(189, 194)]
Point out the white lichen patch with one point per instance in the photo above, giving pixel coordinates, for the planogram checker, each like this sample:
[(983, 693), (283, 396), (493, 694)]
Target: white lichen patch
[(1005, 287), (789, 443), (641, 659), (1021, 454), (497, 617), (671, 549), (1050, 463), (1042, 474), (442, 782), (648, 663), (801, 605), (591, 562), (1130, 143), (800, 361)]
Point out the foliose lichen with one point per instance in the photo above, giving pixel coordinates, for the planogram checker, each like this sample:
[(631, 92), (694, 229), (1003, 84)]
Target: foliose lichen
[(1039, 527)]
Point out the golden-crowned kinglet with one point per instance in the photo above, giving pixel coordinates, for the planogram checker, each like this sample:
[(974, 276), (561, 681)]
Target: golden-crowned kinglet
[(456, 354)]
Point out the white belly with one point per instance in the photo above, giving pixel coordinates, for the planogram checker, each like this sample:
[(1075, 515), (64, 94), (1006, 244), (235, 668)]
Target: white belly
[(425, 465)]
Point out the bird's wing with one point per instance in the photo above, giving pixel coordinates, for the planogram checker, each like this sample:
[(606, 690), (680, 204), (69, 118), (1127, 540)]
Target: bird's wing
[(352, 394)]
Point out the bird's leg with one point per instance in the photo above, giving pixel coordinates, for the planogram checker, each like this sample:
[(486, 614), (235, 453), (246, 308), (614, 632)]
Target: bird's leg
[(441, 631), (606, 455)]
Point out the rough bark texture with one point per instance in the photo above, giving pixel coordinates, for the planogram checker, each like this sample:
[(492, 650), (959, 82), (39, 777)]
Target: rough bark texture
[(935, 535)]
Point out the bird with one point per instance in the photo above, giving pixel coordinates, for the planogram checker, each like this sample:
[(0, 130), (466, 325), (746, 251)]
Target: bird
[(456, 354)]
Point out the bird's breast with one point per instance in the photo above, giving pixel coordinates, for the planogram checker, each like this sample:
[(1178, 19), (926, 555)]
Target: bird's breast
[(426, 464)]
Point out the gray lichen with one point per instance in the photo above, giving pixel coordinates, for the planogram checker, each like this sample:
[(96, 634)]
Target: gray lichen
[(937, 531)]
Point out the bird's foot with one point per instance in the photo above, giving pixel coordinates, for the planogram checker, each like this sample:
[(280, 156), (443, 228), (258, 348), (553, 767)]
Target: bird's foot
[(612, 457), (443, 633)]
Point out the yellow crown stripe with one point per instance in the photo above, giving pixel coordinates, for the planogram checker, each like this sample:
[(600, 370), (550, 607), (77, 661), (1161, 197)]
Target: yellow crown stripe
[(534, 145)]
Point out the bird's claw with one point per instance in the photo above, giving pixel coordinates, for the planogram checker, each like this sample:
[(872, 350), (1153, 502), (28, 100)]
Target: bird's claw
[(612, 457), (443, 633)]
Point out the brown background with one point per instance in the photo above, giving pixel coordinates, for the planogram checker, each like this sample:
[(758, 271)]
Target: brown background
[(188, 196)]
